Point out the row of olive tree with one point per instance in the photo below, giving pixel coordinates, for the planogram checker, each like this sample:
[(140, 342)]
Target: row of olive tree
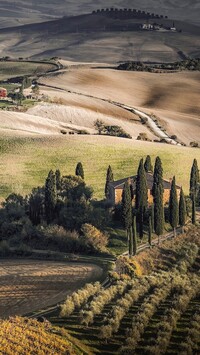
[(79, 298)]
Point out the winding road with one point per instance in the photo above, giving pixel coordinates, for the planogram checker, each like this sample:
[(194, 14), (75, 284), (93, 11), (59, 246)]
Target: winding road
[(150, 123)]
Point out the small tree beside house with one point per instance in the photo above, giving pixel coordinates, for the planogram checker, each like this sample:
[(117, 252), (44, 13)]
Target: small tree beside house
[(109, 179)]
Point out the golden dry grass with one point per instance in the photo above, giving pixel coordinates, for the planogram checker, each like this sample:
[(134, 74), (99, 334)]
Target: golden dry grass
[(174, 98)]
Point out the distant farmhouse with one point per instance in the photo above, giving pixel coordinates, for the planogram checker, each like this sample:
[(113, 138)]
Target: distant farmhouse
[(3, 93), (157, 27), (116, 189)]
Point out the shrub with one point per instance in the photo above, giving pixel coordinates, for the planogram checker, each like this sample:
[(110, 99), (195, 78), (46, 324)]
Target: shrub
[(194, 144), (94, 238)]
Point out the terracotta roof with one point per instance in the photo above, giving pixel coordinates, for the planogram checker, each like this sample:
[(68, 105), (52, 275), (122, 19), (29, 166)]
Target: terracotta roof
[(119, 184)]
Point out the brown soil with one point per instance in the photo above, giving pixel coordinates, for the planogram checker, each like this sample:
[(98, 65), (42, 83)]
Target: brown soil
[(29, 285)]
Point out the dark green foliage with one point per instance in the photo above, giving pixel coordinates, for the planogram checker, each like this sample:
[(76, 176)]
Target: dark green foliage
[(50, 197), (109, 178), (58, 179), (157, 191), (194, 179), (158, 211), (141, 188), (140, 219), (198, 197), (189, 64), (14, 206), (79, 170), (152, 217), (126, 206), (73, 188), (173, 205), (150, 231), (182, 209), (76, 208), (147, 165), (115, 131), (74, 214), (36, 205), (99, 125), (141, 196), (158, 175), (134, 236), (193, 210)]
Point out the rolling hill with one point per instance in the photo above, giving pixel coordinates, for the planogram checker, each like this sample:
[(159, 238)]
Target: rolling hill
[(93, 37), (16, 12)]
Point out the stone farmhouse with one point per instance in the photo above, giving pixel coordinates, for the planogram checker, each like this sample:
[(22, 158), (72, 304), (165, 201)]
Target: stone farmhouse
[(116, 189)]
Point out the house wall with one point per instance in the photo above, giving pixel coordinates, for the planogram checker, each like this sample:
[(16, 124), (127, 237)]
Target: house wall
[(117, 197), (3, 93)]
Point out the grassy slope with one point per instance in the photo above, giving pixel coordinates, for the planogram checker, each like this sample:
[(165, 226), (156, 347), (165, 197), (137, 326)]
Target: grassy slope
[(13, 69), (25, 162)]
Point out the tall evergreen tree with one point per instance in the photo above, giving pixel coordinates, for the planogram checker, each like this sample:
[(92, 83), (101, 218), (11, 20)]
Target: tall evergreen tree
[(158, 211), (36, 205), (152, 217), (109, 178), (157, 191), (79, 170), (50, 196), (194, 179), (134, 236), (141, 188), (141, 201), (148, 165), (193, 210), (58, 179), (150, 230), (173, 206), (157, 175), (182, 209), (127, 209)]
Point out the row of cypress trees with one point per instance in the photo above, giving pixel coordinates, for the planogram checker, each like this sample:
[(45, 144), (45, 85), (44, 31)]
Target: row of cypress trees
[(156, 216)]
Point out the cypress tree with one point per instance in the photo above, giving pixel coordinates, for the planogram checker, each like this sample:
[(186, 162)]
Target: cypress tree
[(141, 188), (193, 210), (150, 230), (158, 211), (173, 206), (157, 176), (50, 196), (134, 236), (152, 217), (141, 196), (58, 179), (79, 170), (198, 197), (157, 191), (109, 178), (194, 179), (127, 209), (182, 209), (148, 165)]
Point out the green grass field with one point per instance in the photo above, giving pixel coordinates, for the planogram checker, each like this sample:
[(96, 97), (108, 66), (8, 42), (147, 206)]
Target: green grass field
[(25, 162), (9, 69)]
